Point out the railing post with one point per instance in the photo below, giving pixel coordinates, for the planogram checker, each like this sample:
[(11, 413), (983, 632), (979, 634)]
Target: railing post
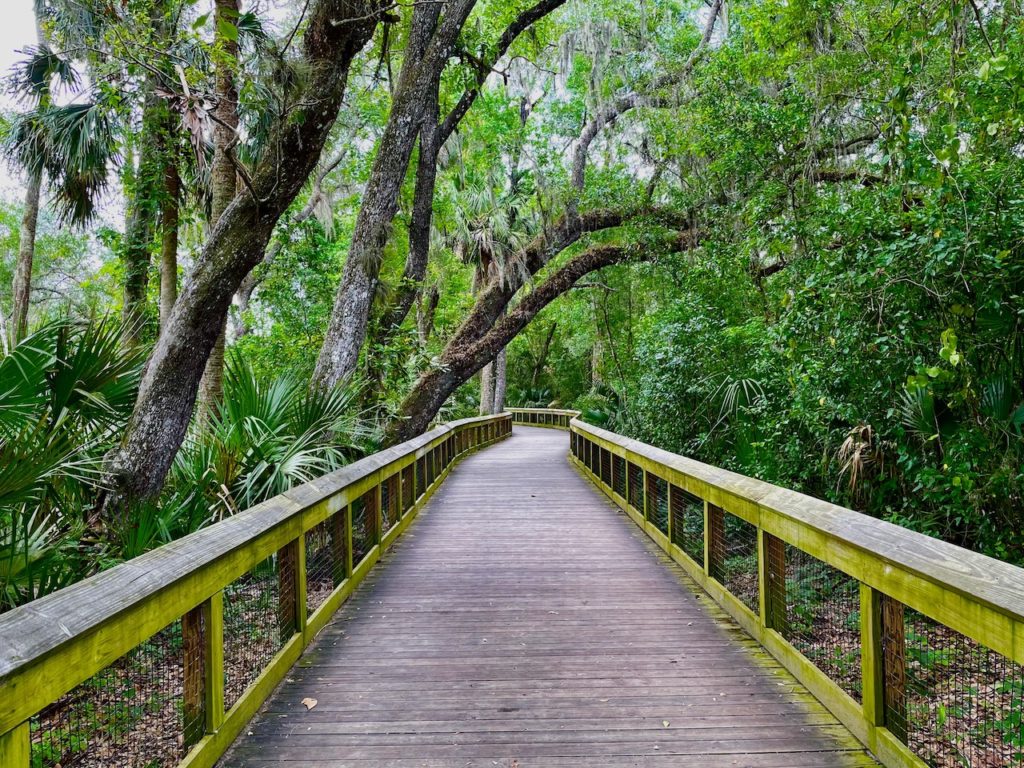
[(213, 660), (871, 665), (378, 512), (202, 636), (668, 507), (15, 747), (627, 482), (339, 562), (194, 678), (649, 504), (348, 538), (15, 751)]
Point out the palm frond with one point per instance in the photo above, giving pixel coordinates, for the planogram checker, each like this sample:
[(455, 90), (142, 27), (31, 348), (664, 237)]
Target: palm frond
[(75, 145)]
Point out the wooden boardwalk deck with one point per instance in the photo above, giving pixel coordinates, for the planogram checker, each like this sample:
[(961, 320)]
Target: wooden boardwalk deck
[(524, 621)]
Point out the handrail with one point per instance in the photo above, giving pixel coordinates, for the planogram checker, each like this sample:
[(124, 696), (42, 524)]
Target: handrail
[(712, 522), (552, 418), (53, 644)]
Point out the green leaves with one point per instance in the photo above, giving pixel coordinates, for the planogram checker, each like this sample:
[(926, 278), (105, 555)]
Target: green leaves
[(227, 30)]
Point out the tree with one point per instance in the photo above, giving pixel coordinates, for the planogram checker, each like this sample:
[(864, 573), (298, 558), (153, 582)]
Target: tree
[(431, 43), (336, 30), (223, 174)]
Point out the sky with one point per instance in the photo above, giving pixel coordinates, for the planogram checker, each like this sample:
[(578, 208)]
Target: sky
[(17, 31)]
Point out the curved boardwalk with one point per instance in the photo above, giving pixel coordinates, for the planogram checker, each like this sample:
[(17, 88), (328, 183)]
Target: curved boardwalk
[(524, 621)]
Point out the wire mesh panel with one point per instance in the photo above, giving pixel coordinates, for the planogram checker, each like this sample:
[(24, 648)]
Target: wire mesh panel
[(636, 487), (421, 476), (619, 475), (325, 559), (606, 466), (953, 701), (360, 542), (390, 501), (657, 502), (733, 556), (252, 627), (687, 513), (130, 714), (816, 608), (408, 488)]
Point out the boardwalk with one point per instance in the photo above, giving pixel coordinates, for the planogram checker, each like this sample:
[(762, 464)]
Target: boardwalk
[(524, 621)]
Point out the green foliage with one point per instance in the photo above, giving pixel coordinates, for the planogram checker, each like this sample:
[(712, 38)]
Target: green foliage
[(267, 436), (65, 391)]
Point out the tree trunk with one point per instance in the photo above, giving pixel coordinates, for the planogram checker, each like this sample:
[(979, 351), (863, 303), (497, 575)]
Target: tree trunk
[(426, 309), (419, 225), (22, 288), (500, 380), (430, 44), (346, 333), (335, 32), (223, 178), (169, 221), (466, 353), (140, 218), (487, 389)]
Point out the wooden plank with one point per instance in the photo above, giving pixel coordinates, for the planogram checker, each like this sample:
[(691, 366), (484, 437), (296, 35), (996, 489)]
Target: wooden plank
[(532, 624)]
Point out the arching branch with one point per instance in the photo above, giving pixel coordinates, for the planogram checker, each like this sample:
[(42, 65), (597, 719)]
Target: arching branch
[(634, 99), (464, 357)]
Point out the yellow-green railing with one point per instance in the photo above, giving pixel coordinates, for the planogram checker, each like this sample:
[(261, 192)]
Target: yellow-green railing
[(916, 645), (543, 417), (162, 660)]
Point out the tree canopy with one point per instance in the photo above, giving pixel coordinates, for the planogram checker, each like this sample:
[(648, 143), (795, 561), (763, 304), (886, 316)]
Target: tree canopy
[(781, 237)]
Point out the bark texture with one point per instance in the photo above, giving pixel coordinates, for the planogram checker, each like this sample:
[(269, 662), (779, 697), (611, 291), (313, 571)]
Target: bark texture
[(140, 219), (169, 221), (487, 389), (500, 380), (347, 331), (22, 287), (432, 38), (223, 177), (336, 31)]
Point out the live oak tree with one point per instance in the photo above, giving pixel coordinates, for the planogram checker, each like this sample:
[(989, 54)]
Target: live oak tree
[(336, 30)]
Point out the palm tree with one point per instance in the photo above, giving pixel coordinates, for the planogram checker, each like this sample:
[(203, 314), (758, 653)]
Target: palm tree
[(33, 80)]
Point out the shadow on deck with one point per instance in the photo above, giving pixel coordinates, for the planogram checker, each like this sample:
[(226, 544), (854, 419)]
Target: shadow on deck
[(524, 621)]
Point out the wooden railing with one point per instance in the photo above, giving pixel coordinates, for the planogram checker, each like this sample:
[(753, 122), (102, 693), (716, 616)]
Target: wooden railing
[(170, 655), (543, 417), (916, 645)]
